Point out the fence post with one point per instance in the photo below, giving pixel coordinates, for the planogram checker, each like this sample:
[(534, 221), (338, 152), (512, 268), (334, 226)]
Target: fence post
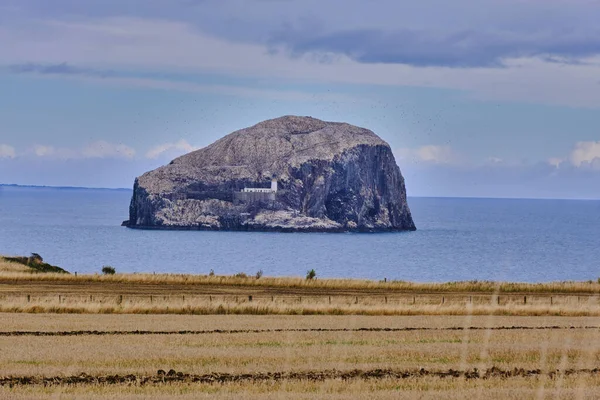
[(551, 302), (59, 299), (524, 299), (329, 299), (356, 302), (249, 298), (443, 299), (385, 299), (28, 298), (498, 300)]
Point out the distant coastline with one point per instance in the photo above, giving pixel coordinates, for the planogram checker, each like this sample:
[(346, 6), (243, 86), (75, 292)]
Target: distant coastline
[(14, 185)]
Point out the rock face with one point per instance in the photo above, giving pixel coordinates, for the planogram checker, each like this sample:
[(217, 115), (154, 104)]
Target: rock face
[(330, 177)]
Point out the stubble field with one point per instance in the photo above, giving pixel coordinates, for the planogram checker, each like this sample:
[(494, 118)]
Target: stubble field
[(120, 344)]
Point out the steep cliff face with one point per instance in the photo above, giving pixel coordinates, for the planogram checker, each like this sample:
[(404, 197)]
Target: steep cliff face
[(330, 176)]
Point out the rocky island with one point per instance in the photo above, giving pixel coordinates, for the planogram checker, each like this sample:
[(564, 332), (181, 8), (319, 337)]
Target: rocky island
[(286, 174)]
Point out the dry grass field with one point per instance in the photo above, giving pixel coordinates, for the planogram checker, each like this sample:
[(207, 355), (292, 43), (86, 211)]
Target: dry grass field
[(174, 336), (253, 356), (291, 283), (209, 295)]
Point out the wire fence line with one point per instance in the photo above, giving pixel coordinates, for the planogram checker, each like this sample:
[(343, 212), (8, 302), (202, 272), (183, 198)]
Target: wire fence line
[(413, 299)]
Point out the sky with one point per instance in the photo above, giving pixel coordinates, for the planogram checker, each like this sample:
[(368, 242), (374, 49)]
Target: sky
[(477, 98)]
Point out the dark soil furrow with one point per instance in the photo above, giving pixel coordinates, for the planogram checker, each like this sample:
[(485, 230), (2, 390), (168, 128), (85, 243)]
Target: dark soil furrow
[(172, 376), (236, 331)]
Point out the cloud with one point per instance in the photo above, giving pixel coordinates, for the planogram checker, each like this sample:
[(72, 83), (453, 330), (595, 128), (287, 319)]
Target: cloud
[(495, 160), (56, 69), (534, 180), (7, 151), (180, 147), (44, 151), (556, 162), (159, 83), (461, 33), (153, 37), (62, 68), (99, 149), (426, 48), (586, 154), (431, 154)]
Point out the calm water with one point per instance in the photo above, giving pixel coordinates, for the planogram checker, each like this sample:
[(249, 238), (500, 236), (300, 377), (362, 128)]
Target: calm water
[(458, 239)]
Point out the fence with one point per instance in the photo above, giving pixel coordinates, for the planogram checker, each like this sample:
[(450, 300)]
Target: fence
[(372, 300)]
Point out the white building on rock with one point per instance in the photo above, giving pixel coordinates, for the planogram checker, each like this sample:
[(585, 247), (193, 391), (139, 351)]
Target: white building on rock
[(272, 189)]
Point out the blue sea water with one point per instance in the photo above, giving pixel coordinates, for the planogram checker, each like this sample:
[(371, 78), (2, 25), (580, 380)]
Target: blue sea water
[(457, 239)]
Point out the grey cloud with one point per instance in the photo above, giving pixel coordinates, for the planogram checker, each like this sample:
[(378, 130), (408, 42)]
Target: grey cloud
[(460, 33), (466, 48), (56, 69), (46, 69)]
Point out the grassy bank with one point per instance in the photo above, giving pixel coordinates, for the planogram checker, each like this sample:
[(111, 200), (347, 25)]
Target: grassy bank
[(15, 273), (32, 264), (25, 289)]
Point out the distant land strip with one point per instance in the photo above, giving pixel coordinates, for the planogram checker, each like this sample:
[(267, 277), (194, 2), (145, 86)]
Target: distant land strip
[(14, 185), (299, 330), (172, 376)]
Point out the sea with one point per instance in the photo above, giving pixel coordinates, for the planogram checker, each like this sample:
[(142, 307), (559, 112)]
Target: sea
[(457, 239)]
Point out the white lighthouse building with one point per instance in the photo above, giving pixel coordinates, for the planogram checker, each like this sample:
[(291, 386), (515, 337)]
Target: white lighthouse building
[(272, 189)]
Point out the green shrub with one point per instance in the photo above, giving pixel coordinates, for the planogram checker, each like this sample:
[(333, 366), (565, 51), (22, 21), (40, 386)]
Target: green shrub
[(312, 274), (241, 275), (108, 270)]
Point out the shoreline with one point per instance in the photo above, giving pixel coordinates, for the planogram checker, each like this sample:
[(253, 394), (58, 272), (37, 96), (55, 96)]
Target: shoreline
[(278, 229)]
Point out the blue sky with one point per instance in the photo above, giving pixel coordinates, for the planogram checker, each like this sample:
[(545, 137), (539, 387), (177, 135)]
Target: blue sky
[(482, 98)]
